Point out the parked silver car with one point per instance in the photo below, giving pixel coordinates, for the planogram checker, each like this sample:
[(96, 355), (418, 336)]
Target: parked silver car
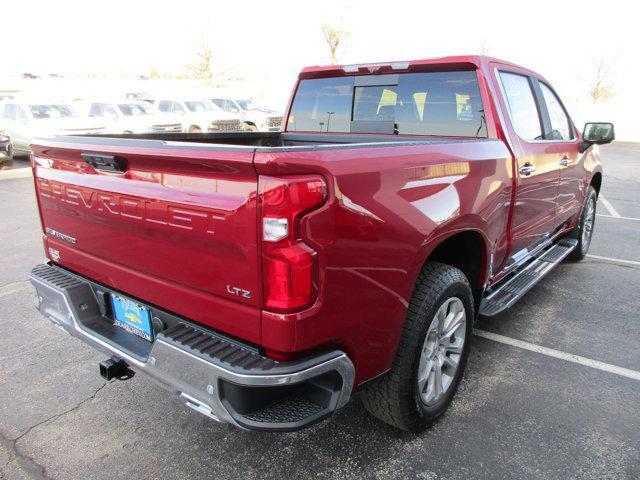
[(254, 117), (6, 146), (133, 116), (25, 120), (200, 115)]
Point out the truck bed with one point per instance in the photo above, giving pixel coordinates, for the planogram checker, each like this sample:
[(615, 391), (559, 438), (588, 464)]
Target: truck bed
[(271, 141)]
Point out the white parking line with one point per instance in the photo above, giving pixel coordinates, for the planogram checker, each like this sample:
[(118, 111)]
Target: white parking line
[(17, 173), (618, 217), (608, 206), (587, 362), (614, 260)]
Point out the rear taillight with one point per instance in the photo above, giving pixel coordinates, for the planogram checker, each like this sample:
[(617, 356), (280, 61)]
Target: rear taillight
[(288, 264)]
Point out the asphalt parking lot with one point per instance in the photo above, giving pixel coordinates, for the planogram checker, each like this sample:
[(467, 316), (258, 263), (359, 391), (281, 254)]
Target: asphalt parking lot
[(521, 412)]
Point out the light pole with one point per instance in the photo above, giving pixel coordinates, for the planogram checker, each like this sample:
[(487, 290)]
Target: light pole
[(329, 119)]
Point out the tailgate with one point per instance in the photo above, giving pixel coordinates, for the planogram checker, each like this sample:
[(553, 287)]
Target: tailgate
[(174, 226)]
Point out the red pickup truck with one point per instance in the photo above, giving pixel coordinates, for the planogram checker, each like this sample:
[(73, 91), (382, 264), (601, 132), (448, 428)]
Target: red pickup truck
[(266, 277)]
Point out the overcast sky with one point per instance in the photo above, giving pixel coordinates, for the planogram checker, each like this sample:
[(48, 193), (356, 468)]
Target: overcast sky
[(272, 40)]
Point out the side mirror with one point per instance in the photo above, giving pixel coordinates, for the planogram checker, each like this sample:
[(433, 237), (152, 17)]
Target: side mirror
[(597, 133)]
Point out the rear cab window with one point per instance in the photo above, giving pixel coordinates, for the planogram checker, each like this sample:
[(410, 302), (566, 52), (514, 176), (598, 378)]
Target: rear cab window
[(427, 103)]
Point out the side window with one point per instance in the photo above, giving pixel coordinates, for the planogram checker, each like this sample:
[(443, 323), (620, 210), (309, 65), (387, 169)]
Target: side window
[(176, 107), (110, 111), (97, 110), (164, 106), (218, 102), (10, 111), (522, 106), (229, 106), (20, 115), (560, 126)]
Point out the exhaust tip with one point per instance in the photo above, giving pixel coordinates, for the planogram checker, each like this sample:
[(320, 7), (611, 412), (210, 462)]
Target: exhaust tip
[(115, 368)]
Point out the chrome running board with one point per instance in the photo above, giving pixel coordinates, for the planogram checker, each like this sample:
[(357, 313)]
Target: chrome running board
[(509, 291)]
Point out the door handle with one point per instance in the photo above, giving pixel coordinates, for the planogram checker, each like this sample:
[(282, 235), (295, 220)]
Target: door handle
[(527, 169), (565, 162)]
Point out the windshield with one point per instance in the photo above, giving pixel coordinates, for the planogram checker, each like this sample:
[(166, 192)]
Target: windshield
[(199, 106), (135, 109), (51, 111), (431, 103)]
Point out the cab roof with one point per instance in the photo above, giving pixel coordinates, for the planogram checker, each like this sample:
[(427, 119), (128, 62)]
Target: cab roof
[(458, 62)]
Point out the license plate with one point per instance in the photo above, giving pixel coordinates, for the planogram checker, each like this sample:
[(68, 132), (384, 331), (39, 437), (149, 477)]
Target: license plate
[(132, 317)]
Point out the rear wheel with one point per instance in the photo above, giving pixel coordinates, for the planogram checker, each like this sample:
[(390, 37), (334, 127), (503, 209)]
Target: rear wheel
[(583, 231), (431, 355)]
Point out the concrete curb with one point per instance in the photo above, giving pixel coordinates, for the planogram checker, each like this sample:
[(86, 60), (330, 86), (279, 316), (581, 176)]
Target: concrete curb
[(17, 173)]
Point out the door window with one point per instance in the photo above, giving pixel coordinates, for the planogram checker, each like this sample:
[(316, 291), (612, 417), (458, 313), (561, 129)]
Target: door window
[(177, 108), (20, 115), (10, 111), (229, 106), (560, 126), (522, 106), (102, 110), (164, 106)]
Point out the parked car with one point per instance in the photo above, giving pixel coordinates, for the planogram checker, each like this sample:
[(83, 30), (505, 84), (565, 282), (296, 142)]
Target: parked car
[(266, 277), (200, 115), (30, 118), (133, 116), (254, 117), (6, 147)]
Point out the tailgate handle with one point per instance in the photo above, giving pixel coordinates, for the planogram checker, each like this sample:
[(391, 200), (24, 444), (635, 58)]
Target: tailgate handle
[(105, 163)]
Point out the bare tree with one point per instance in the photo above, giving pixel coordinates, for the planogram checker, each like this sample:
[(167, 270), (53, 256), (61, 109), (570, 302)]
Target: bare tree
[(485, 49), (335, 38), (601, 89), (201, 70)]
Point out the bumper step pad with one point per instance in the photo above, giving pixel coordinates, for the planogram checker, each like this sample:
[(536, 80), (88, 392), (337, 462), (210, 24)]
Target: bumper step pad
[(207, 344)]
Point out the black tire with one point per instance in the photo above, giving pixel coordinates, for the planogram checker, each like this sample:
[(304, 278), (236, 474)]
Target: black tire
[(395, 398), (584, 241)]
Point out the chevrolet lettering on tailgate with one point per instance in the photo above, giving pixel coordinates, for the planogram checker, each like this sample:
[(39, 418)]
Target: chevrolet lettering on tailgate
[(133, 209)]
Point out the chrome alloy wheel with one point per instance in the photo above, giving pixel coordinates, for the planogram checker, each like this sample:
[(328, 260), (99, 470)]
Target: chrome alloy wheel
[(441, 351), (589, 219)]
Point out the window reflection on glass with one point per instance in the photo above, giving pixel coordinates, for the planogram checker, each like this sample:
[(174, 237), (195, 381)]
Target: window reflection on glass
[(522, 106)]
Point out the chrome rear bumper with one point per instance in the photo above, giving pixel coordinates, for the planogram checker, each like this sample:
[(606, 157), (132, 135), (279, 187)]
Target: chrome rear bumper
[(236, 385)]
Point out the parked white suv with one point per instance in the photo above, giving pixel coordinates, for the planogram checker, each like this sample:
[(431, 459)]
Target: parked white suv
[(200, 115), (28, 119), (133, 116), (254, 117)]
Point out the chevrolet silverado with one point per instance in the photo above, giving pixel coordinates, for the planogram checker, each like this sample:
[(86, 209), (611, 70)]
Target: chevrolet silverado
[(265, 278)]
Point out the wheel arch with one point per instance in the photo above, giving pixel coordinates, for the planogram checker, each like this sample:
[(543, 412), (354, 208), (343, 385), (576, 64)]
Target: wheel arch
[(596, 181), (465, 249)]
